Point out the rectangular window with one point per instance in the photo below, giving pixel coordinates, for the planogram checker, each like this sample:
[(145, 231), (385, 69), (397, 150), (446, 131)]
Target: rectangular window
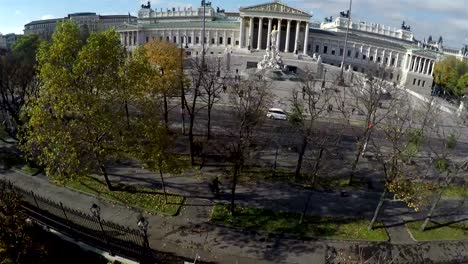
[(333, 52), (349, 53), (414, 81), (237, 43), (393, 61), (386, 61), (197, 40), (160, 38), (229, 41), (378, 59), (424, 82), (212, 41), (174, 39), (371, 58), (356, 55), (325, 49), (204, 40), (309, 47), (364, 56), (190, 39), (317, 48), (355, 69), (341, 52), (220, 40), (398, 77), (391, 76), (167, 39)]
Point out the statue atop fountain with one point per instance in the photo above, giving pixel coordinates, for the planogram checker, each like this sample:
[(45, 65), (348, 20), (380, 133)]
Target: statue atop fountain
[(272, 59)]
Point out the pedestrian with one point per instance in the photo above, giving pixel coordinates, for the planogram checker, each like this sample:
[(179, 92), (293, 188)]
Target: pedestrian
[(303, 92)]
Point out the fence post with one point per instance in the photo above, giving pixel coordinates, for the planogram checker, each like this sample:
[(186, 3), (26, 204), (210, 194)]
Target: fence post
[(68, 221), (35, 200)]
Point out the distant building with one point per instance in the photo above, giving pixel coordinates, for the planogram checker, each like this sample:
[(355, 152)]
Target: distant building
[(45, 28), (7, 41)]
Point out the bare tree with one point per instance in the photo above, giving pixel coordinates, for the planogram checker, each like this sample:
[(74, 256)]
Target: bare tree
[(374, 97), (212, 85), (307, 108), (250, 100)]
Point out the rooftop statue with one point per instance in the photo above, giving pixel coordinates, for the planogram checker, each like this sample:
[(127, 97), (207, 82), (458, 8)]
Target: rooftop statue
[(147, 5), (329, 19), (344, 14), (405, 27)]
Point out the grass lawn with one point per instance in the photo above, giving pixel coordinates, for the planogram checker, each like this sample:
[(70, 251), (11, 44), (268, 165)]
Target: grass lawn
[(282, 222), (149, 199), (439, 231), (455, 192)]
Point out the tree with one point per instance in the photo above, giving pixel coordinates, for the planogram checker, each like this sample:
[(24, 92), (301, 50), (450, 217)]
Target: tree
[(369, 94), (250, 100), (449, 73), (406, 130), (166, 59), (212, 85), (306, 112), (18, 82), (77, 123), (16, 243)]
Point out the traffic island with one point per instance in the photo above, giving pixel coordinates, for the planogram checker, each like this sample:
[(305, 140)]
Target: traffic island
[(147, 199), (437, 230), (288, 223)]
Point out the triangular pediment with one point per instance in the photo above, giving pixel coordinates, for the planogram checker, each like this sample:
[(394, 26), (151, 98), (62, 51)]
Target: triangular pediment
[(276, 7)]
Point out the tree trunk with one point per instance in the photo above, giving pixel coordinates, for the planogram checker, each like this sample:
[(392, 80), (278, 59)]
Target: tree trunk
[(126, 114), (163, 185), (306, 206), (381, 201), (301, 156), (191, 145), (208, 135), (274, 163), (429, 215), (319, 159), (106, 178), (233, 188), (358, 156), (166, 112)]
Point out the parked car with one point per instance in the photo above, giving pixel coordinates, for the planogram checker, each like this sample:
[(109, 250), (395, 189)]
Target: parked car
[(277, 113)]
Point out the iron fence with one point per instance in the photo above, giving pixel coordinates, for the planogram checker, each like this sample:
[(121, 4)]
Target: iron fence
[(105, 235)]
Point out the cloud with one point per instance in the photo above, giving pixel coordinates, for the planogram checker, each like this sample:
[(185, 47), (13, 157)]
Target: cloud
[(17, 12), (426, 17), (47, 17)]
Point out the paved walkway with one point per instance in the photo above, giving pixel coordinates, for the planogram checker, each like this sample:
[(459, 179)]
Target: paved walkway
[(191, 233)]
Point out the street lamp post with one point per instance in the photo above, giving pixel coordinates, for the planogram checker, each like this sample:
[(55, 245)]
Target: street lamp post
[(182, 91), (343, 59), (324, 77), (96, 212)]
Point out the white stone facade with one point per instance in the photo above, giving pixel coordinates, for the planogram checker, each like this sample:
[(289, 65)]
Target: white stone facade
[(248, 33)]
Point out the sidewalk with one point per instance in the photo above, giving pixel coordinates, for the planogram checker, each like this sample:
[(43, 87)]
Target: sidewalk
[(191, 233)]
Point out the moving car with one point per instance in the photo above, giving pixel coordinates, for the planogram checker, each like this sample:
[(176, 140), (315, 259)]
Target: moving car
[(277, 113)]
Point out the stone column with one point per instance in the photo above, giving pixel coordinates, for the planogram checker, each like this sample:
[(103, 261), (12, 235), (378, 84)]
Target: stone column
[(396, 60), (423, 71), (259, 41), (413, 61), (432, 68), (225, 38), (306, 37), (278, 37), (390, 59), (383, 58), (241, 33), (217, 38), (288, 32), (419, 65), (270, 20), (192, 41), (375, 56), (296, 38), (251, 25)]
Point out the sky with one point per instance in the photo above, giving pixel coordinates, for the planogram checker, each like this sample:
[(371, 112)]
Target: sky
[(447, 18)]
